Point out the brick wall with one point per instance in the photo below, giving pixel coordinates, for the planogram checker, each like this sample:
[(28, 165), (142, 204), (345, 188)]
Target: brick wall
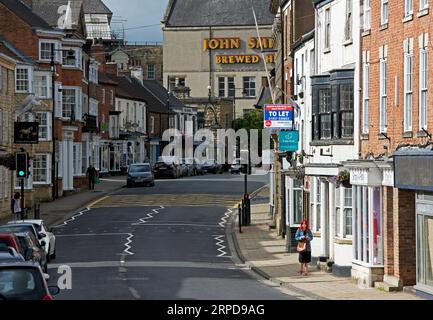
[(404, 236), (388, 219), (393, 37)]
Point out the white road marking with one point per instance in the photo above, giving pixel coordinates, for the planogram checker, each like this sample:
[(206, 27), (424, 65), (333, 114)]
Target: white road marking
[(181, 224), (72, 219), (91, 235), (144, 264), (221, 248), (225, 217), (148, 216), (127, 245)]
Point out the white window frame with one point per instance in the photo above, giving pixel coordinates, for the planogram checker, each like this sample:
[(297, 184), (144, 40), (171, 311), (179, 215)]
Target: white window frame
[(366, 96), (423, 4), (367, 15), (48, 84), (408, 7), (152, 124), (348, 29), (252, 85), (48, 126), (78, 103), (29, 79), (327, 29), (58, 94), (408, 85), (47, 169), (383, 99), (423, 82), (57, 53), (384, 12), (151, 71), (77, 159), (78, 58)]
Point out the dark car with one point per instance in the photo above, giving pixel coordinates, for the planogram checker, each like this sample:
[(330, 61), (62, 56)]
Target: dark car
[(140, 174), (162, 169), (22, 227), (211, 166), (10, 240), (24, 281), (33, 250)]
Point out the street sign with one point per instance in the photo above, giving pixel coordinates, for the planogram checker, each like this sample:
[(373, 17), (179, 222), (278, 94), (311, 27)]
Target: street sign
[(26, 133), (278, 116), (288, 141)]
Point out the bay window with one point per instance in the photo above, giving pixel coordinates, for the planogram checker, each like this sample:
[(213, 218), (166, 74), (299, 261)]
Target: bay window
[(46, 50), (325, 113)]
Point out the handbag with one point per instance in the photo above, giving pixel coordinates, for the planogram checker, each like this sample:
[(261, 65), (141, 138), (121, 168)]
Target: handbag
[(97, 181), (302, 246)]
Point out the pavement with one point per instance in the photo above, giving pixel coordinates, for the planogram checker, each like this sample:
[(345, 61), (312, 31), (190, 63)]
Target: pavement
[(165, 242), (63, 208), (264, 253)]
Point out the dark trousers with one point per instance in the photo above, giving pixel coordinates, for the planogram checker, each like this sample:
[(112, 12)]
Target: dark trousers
[(92, 183)]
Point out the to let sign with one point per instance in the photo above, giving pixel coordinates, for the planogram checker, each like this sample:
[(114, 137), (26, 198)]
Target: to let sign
[(288, 141), (278, 116)]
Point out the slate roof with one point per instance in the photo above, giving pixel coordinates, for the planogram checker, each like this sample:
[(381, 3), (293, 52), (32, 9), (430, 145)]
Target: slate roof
[(199, 13), (161, 93), (48, 10), (26, 14), (7, 48)]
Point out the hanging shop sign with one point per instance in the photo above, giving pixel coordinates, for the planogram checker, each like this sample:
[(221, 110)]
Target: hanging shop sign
[(26, 133), (288, 141)]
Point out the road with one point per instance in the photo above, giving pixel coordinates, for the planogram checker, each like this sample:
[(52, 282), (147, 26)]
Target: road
[(165, 242)]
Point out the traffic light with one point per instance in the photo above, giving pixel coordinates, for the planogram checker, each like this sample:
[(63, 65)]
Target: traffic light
[(22, 165)]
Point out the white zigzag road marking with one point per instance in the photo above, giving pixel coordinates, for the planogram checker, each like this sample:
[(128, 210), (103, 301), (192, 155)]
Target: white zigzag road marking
[(224, 219), (221, 248), (73, 218), (148, 217), (127, 245)]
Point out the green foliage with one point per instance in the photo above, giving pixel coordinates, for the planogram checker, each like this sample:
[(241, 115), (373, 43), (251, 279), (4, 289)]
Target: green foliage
[(253, 120)]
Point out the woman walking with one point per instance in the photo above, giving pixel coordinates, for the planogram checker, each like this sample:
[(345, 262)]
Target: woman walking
[(304, 236)]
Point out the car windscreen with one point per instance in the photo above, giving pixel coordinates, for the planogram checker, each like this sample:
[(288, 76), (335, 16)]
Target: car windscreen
[(17, 229), (139, 169), (21, 284)]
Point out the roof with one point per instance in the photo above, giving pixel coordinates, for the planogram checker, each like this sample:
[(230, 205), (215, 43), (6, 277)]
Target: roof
[(7, 48), (217, 13), (161, 93), (104, 79), (127, 89), (49, 10), (95, 7), (25, 14)]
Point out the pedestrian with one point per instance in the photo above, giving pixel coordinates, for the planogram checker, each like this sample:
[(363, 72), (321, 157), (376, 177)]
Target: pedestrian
[(91, 174), (16, 206), (304, 236)]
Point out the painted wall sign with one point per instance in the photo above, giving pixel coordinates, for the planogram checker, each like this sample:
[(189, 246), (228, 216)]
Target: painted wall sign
[(288, 141), (278, 116), (235, 43)]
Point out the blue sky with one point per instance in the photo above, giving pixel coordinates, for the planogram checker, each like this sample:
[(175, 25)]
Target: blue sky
[(138, 13)]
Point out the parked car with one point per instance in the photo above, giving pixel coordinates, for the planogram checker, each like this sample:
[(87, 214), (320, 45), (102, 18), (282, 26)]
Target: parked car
[(33, 250), (140, 174), (10, 240), (236, 166), (162, 169), (188, 167), (9, 254), (24, 281), (48, 237), (17, 227), (211, 166)]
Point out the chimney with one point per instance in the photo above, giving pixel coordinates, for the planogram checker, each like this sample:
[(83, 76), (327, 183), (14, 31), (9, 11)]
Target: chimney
[(137, 73), (98, 52), (110, 68)]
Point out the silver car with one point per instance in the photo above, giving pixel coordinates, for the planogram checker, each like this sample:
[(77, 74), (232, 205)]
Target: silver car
[(140, 174)]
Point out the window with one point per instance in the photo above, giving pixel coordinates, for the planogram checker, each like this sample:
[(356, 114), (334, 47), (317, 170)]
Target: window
[(6, 174), (93, 107), (231, 87), (72, 103), (318, 204), (42, 85), (44, 119), (348, 25), (41, 169), (327, 38), (181, 82), (366, 98), (250, 86), (221, 87), (93, 73), (346, 109), (325, 114), (384, 12), (312, 63), (46, 48), (347, 212), (84, 157), (367, 15), (383, 96), (423, 87), (72, 57), (424, 248), (151, 74), (152, 125), (408, 8), (76, 159), (408, 74), (171, 84), (298, 200), (111, 98), (423, 4), (338, 212), (22, 79)]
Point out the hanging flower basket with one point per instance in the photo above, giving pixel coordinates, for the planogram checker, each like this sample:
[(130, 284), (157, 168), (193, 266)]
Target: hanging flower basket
[(299, 173), (344, 179), (8, 161)]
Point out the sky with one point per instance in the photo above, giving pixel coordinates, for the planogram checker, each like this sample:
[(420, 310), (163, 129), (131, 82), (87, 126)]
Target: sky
[(138, 13)]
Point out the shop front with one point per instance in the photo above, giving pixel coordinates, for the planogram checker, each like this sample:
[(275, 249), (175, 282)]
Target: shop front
[(414, 173)]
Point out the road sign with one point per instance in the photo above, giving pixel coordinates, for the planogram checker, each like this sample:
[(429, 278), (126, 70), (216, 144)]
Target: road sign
[(278, 116), (288, 141)]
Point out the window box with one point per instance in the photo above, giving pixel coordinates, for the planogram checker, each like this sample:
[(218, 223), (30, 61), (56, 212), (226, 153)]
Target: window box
[(348, 42), (421, 134)]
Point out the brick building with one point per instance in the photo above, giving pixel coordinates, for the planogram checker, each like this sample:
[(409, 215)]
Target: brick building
[(395, 172)]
